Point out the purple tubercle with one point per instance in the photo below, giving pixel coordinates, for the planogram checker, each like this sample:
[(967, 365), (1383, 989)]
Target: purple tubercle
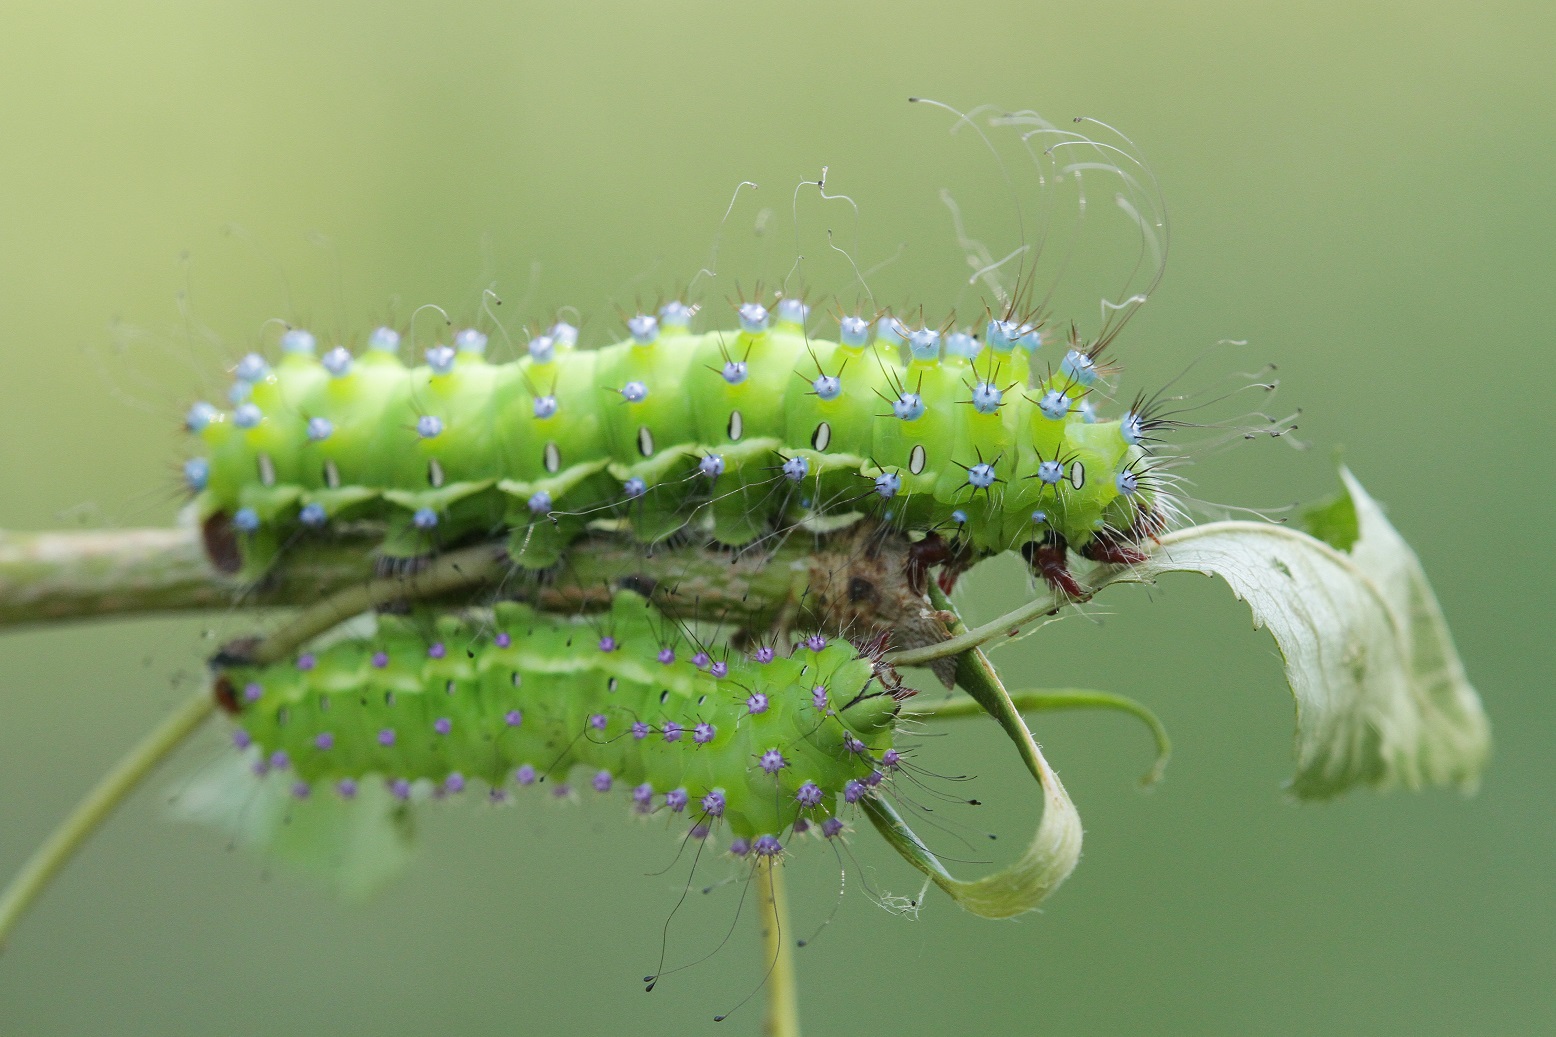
[(874, 778), (386, 737), (436, 650), (700, 831), (818, 697), (672, 731), (739, 847), (854, 791), (301, 789), (765, 654), (801, 826), (241, 739), (640, 730), (252, 692), (513, 718), (891, 759), (713, 803), (676, 800), (346, 788), (598, 721), (602, 781), (443, 725), (703, 733), (400, 789), (306, 661), (700, 660), (279, 760), (809, 794), (831, 827), (720, 670), (525, 775), (772, 761), (757, 703), (643, 797), (503, 640), (767, 846), (496, 796), (561, 790), (454, 783), (608, 644), (324, 740), (667, 655), (815, 642), (260, 767), (380, 660)]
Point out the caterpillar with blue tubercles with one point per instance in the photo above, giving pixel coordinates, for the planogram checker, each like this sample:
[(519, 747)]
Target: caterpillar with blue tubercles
[(984, 443), (763, 745)]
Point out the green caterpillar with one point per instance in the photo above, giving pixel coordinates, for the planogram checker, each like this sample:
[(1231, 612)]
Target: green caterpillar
[(763, 745), (747, 431)]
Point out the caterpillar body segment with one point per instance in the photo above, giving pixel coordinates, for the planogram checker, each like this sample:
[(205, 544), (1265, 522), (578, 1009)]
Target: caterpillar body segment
[(744, 431), (762, 745)]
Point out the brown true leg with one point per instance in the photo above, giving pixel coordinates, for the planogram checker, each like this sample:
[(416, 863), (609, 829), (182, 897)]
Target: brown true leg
[(924, 555), (1049, 558), (1113, 549)]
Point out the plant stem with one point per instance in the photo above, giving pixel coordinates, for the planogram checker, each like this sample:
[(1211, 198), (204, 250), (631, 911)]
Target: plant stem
[(92, 811), (62, 576), (783, 999), (1044, 700)]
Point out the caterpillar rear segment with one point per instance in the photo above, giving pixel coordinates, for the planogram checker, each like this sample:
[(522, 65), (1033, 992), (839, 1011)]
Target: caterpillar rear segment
[(986, 442), (760, 746)]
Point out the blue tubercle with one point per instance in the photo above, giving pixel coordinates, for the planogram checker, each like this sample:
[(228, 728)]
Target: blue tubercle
[(337, 362), (247, 415), (793, 312), (1054, 405), (753, 318), (440, 359), (924, 344), (298, 341), (676, 314), (1079, 366), (644, 329), (909, 406), (853, 332), (200, 415), (986, 398), (385, 340), (542, 349), (469, 340), (251, 368), (197, 473)]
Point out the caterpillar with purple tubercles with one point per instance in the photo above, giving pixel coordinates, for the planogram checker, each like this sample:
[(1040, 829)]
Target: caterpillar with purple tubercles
[(764, 745)]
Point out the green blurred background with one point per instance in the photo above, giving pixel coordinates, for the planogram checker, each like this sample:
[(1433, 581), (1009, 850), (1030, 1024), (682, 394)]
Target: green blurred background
[(1362, 190)]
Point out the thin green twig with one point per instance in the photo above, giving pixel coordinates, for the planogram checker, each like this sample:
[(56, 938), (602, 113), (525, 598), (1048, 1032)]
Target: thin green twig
[(63, 843), (783, 995), (1048, 699)]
